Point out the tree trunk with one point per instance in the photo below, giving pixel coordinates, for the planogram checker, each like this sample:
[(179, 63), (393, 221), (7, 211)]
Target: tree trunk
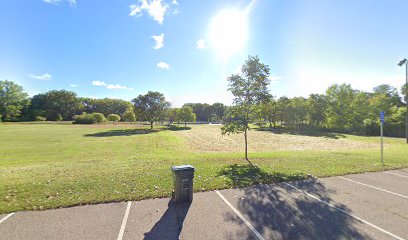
[(246, 145), (151, 125), (185, 124), (270, 124)]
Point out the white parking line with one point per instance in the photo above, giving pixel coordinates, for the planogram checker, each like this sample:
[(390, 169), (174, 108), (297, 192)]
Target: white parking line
[(377, 188), (5, 218), (347, 213), (396, 174), (124, 221), (256, 233)]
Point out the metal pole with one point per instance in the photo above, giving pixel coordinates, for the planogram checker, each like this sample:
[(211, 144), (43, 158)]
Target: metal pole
[(382, 145)]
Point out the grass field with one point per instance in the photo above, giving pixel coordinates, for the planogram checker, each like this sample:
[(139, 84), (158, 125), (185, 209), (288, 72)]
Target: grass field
[(46, 166)]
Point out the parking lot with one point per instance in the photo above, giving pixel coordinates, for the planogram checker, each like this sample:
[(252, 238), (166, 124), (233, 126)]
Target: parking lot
[(359, 206)]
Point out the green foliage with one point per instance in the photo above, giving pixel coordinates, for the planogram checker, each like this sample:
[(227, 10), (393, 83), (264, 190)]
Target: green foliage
[(113, 118), (86, 118), (151, 107), (55, 105), (249, 88), (40, 118), (12, 100), (106, 106), (59, 117), (185, 114), (99, 117), (208, 113), (129, 116)]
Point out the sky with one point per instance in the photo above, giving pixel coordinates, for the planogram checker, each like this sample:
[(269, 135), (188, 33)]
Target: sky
[(187, 49)]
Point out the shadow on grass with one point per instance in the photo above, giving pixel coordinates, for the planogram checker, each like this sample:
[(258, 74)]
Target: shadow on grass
[(280, 211), (303, 133), (171, 223), (131, 132), (121, 132)]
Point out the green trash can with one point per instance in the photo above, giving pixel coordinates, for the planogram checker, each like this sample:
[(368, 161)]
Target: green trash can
[(183, 183)]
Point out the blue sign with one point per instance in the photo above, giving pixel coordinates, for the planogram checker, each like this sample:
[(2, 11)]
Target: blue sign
[(382, 115)]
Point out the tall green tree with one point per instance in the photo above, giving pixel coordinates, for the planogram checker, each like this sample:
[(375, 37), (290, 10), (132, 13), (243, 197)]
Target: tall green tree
[(56, 104), (249, 88), (106, 106), (12, 100), (151, 107), (185, 114)]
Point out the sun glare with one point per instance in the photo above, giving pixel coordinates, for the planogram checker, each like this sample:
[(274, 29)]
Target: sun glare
[(228, 32)]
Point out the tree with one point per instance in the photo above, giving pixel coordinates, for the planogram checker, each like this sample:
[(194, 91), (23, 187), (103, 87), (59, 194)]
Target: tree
[(173, 115), (129, 116), (185, 114), (316, 104), (54, 103), (151, 107), (99, 117), (12, 100), (249, 89), (113, 118), (106, 106)]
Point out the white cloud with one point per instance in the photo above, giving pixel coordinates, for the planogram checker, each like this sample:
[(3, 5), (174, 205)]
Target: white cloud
[(45, 76), (73, 85), (159, 40), (155, 8), (163, 65), (108, 86), (72, 2), (174, 2), (201, 44)]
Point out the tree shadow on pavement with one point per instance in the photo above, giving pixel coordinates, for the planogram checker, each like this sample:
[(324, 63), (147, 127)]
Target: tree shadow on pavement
[(247, 175), (170, 224), (279, 211)]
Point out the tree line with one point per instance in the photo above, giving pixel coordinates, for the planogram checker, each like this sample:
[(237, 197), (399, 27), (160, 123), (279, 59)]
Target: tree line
[(341, 109)]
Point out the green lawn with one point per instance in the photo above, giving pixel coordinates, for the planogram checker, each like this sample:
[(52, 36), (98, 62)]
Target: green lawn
[(46, 166)]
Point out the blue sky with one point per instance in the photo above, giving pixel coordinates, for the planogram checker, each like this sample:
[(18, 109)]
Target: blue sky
[(107, 49)]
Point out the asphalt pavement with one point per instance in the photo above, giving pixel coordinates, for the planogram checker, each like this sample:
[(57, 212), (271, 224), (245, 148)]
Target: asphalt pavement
[(358, 206)]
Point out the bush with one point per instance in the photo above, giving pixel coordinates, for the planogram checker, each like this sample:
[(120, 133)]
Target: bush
[(84, 119), (1, 116), (113, 118), (40, 118), (99, 117), (59, 117), (129, 116)]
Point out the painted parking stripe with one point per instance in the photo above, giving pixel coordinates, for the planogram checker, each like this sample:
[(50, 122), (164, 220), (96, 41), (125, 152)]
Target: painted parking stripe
[(345, 212), (5, 218), (396, 174), (377, 188), (124, 221), (254, 231)]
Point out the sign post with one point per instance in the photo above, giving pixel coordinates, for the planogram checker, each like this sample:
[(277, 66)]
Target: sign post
[(382, 114)]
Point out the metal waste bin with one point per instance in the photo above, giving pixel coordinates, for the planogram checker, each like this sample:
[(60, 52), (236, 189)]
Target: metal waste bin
[(183, 183)]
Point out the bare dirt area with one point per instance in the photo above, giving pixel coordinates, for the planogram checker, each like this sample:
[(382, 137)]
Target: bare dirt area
[(207, 138)]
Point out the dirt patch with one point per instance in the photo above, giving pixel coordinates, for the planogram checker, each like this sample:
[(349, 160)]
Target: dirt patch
[(209, 139)]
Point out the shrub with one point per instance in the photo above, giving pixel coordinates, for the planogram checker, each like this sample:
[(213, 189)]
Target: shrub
[(40, 118), (84, 119), (129, 116), (113, 118), (99, 117), (59, 117)]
